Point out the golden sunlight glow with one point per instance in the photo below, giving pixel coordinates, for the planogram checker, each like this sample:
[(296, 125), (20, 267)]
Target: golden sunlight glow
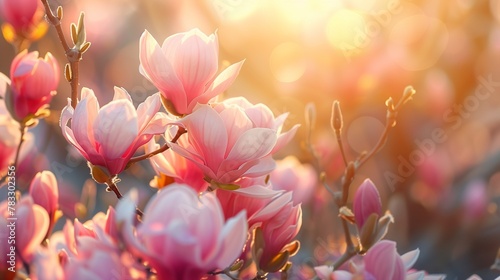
[(343, 28), (287, 63)]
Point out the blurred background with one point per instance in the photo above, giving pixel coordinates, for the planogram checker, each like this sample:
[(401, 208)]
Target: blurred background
[(438, 173)]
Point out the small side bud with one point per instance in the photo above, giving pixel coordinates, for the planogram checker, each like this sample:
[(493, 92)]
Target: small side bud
[(85, 47), (99, 174), (67, 72), (350, 171), (390, 104), (82, 36), (60, 12), (310, 114), (336, 121), (408, 94), (74, 34)]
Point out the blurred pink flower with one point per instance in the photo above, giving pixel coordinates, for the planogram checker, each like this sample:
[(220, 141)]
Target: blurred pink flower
[(182, 235), (184, 69), (171, 164), (475, 200), (86, 251), (30, 226), (381, 262), (232, 141), (109, 136), (9, 130), (44, 191), (291, 175), (366, 201), (33, 84), (23, 21)]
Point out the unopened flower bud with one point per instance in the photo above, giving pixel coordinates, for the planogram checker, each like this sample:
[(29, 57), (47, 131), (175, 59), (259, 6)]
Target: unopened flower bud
[(366, 202)]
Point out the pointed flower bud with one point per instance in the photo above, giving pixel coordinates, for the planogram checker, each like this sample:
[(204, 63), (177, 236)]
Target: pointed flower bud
[(336, 120), (44, 191), (366, 202)]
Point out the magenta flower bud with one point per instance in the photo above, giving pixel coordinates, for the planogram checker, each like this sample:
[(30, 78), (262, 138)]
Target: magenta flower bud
[(43, 190), (366, 201), (33, 83)]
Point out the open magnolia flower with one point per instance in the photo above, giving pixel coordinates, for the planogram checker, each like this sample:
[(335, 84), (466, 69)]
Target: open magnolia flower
[(184, 69), (182, 236), (109, 136), (382, 262), (233, 139)]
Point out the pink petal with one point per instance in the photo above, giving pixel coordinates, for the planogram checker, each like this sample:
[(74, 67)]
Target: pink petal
[(285, 138), (410, 258), (115, 128), (83, 121), (147, 110), (121, 93), (233, 236), (253, 144)]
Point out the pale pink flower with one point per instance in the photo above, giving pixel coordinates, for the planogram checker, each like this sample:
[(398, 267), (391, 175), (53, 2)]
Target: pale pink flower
[(260, 203), (182, 235), (9, 130), (366, 202), (109, 136), (30, 226), (44, 191), (380, 263), (291, 175), (231, 141), (33, 83), (184, 68), (173, 165), (87, 251)]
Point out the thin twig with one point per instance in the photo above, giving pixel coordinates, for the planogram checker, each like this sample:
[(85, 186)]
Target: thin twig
[(113, 187), (165, 147), (72, 54)]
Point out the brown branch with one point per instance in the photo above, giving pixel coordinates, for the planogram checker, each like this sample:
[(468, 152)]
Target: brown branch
[(74, 55), (165, 147)]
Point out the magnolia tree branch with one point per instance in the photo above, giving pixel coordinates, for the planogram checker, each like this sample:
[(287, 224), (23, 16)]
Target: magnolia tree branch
[(165, 147), (73, 54)]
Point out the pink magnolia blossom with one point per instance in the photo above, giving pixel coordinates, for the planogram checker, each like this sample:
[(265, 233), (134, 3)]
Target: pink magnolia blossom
[(109, 136), (475, 200), (291, 175), (86, 251), (34, 222), (182, 236), (233, 140), (366, 201), (23, 15), (33, 83), (279, 230), (184, 68), (380, 263), (171, 164), (44, 191), (9, 130)]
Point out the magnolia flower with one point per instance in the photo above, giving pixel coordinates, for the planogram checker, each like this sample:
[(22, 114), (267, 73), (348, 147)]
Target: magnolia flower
[(33, 84), (86, 251), (109, 136), (278, 232), (182, 236), (9, 130), (366, 202), (291, 175), (34, 222), (380, 263), (177, 167), (234, 139), (23, 20), (43, 190), (184, 69)]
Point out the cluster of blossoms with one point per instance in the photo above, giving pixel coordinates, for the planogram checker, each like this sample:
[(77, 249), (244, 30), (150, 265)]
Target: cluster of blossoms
[(222, 208)]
